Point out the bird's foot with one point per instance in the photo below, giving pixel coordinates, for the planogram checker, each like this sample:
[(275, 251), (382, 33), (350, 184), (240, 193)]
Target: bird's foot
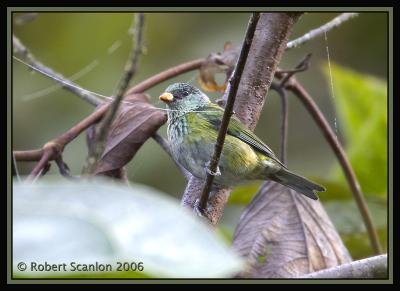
[(199, 211), (216, 173)]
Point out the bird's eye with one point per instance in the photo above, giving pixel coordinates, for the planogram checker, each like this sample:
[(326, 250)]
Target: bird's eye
[(185, 93)]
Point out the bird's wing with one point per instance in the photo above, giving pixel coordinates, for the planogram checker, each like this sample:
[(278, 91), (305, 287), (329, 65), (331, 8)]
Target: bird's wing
[(236, 129)]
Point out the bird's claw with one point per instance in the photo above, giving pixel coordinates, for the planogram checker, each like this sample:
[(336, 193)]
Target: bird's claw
[(201, 212), (197, 209), (216, 173)]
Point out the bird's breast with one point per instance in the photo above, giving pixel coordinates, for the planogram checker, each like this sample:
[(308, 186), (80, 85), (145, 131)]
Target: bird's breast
[(177, 129)]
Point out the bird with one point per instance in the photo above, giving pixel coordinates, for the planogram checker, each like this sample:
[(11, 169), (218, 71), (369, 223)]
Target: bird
[(192, 130)]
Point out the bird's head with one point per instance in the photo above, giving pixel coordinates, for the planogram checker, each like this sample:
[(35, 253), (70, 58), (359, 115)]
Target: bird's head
[(183, 96)]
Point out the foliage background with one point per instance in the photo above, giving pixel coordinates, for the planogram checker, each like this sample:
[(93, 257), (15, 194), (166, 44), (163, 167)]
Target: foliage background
[(68, 42)]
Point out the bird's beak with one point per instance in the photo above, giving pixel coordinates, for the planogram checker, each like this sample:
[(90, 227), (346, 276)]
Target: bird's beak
[(166, 97)]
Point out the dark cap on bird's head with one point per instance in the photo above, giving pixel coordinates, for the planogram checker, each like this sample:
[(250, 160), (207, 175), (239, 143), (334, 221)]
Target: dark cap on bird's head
[(178, 91), (183, 95)]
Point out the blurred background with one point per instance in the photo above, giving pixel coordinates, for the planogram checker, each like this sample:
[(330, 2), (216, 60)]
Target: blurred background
[(96, 46)]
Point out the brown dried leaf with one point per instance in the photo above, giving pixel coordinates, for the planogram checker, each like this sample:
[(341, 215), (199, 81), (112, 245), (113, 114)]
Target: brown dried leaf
[(218, 63), (134, 123), (283, 234)]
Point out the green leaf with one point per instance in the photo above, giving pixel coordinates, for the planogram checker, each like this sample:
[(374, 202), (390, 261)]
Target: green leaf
[(335, 190), (347, 219), (98, 221), (243, 194), (359, 245), (361, 103)]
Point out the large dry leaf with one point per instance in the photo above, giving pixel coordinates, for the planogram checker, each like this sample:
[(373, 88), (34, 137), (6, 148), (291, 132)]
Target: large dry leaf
[(136, 120), (283, 234), (218, 63)]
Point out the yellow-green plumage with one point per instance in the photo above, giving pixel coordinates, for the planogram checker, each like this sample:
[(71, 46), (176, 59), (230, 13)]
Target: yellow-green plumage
[(193, 125)]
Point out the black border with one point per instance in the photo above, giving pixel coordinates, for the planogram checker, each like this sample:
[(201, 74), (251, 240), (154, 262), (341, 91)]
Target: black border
[(13, 278)]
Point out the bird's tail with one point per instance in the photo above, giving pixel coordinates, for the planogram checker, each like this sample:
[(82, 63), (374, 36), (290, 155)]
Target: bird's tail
[(297, 183)]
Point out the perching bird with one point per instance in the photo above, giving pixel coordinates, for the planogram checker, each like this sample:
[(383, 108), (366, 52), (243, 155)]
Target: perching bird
[(193, 125)]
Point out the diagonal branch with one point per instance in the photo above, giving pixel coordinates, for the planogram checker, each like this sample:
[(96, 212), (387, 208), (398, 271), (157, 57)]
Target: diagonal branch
[(72, 133), (234, 84), (53, 149), (29, 60), (297, 89), (130, 70), (321, 30)]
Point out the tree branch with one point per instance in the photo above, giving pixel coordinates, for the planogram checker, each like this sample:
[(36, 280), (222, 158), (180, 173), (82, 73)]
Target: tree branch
[(29, 155), (30, 61), (57, 145), (234, 84), (351, 178), (61, 141), (369, 268), (266, 50), (130, 70), (321, 30)]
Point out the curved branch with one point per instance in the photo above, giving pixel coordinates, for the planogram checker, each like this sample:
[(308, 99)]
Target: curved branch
[(351, 178), (284, 119)]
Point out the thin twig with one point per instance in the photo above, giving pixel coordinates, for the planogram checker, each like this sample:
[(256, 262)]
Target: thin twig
[(321, 30), (72, 133), (294, 86), (56, 146), (52, 149), (164, 144), (301, 67), (284, 119), (279, 88), (369, 268), (28, 58), (234, 84), (130, 71)]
